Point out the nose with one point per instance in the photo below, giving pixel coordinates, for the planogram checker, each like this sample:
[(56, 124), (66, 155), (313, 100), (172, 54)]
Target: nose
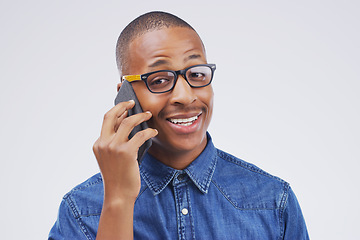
[(182, 93)]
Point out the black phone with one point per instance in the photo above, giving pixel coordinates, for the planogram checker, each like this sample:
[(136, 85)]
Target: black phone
[(127, 93)]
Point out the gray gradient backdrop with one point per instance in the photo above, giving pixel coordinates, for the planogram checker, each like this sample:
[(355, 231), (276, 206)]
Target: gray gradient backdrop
[(286, 92)]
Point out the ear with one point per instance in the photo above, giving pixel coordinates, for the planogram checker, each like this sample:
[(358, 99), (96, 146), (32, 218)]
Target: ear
[(119, 86)]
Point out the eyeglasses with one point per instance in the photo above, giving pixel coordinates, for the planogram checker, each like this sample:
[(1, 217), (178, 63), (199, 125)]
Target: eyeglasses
[(162, 81)]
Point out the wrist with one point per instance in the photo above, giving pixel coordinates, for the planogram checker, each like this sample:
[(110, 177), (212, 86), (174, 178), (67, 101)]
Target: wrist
[(118, 200), (119, 193)]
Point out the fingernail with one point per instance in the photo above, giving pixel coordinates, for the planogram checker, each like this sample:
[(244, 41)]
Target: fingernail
[(131, 101)]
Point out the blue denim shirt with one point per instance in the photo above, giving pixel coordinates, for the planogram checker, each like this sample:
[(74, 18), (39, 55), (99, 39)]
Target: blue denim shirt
[(218, 196)]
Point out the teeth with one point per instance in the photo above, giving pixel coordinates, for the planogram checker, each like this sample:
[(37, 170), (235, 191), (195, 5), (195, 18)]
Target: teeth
[(184, 121)]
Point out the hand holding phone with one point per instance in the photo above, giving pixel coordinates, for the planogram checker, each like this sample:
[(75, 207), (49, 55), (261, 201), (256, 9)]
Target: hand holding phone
[(117, 157)]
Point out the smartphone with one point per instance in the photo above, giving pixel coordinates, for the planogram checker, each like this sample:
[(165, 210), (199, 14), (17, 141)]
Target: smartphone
[(127, 93)]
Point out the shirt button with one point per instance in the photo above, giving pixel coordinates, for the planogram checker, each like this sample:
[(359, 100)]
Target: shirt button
[(184, 211), (181, 177)]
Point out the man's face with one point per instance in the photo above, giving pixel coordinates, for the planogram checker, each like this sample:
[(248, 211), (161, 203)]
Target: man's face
[(172, 49)]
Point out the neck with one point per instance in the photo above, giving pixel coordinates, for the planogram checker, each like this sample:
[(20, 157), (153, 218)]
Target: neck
[(177, 159)]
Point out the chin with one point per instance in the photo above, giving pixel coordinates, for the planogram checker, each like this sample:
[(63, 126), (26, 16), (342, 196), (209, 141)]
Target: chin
[(181, 144)]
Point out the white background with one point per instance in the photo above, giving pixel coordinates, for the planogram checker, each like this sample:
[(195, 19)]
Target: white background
[(286, 93)]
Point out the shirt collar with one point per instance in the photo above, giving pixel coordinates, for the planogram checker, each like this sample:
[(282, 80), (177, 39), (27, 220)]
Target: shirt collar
[(157, 175)]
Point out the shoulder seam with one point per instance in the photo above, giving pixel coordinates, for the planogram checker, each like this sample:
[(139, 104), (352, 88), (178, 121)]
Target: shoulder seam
[(77, 217), (248, 166), (97, 181), (283, 204), (79, 187)]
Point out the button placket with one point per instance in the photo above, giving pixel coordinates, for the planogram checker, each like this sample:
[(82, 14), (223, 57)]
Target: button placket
[(182, 198)]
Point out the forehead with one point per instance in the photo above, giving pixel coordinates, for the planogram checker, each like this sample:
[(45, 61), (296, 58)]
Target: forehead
[(170, 47)]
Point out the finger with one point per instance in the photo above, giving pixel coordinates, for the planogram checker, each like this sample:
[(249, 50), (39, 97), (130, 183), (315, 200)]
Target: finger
[(141, 137), (128, 124), (119, 120), (110, 118)]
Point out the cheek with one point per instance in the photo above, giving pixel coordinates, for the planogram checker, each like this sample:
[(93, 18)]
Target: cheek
[(148, 101), (151, 104), (142, 93), (207, 98)]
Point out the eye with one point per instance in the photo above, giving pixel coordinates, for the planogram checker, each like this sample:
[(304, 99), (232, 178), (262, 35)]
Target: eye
[(158, 81), (197, 76)]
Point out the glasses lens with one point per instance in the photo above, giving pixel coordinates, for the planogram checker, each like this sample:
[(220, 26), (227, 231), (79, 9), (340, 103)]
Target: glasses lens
[(161, 81), (199, 76)]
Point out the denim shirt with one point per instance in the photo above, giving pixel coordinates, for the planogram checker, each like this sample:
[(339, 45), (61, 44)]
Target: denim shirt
[(218, 196)]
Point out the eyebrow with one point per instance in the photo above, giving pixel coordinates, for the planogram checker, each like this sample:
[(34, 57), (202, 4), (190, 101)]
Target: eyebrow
[(193, 56), (158, 63), (166, 62)]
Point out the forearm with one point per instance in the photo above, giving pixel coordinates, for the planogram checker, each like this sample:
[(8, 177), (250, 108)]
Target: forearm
[(116, 220)]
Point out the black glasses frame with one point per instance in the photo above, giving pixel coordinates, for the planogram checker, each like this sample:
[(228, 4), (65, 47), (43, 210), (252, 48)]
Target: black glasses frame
[(176, 74)]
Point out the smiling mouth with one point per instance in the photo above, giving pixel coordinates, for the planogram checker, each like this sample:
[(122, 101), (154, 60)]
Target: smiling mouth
[(184, 121)]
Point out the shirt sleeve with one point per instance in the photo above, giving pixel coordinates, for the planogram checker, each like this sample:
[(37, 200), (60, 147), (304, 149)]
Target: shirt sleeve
[(67, 226), (294, 227)]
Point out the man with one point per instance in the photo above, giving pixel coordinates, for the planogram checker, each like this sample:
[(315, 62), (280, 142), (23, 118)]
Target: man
[(185, 188)]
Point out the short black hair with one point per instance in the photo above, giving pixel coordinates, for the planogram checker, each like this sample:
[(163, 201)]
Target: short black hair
[(147, 22)]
